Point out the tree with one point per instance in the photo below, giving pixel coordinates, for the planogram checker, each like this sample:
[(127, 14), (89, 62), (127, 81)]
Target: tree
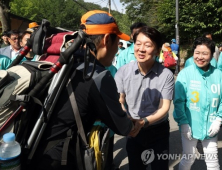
[(4, 15), (137, 10), (196, 16), (122, 21), (60, 13)]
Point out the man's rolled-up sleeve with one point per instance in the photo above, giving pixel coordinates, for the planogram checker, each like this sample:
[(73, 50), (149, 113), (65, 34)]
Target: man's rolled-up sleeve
[(168, 89)]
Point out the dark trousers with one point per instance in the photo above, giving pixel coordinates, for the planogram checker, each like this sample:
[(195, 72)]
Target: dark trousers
[(109, 161), (143, 148)]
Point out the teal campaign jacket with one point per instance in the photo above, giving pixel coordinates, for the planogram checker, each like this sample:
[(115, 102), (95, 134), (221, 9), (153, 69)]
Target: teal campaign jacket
[(197, 99), (219, 62), (112, 70), (24, 59), (125, 56), (119, 50), (4, 62)]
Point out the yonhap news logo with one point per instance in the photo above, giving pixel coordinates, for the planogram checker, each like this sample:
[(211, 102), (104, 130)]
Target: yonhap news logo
[(147, 156)]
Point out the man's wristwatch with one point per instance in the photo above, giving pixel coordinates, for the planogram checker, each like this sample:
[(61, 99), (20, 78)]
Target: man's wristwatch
[(146, 124)]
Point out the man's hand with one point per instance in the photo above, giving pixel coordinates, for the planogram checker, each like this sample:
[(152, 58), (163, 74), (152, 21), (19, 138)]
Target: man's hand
[(138, 124), (130, 118), (123, 107), (122, 101)]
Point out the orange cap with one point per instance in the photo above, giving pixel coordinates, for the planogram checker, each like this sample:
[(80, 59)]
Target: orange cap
[(33, 24), (101, 22)]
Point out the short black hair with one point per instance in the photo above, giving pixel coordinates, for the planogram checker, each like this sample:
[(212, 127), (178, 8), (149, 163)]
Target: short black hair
[(12, 32), (153, 34), (21, 35), (204, 41), (120, 43), (137, 25)]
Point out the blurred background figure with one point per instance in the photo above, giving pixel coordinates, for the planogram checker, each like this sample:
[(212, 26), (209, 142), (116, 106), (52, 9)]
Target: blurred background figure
[(23, 37), (217, 52), (129, 43), (5, 41), (120, 48), (33, 26), (220, 47), (174, 47), (13, 49), (168, 57)]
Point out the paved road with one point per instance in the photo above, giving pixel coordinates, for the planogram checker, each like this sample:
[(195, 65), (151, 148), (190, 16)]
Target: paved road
[(121, 160)]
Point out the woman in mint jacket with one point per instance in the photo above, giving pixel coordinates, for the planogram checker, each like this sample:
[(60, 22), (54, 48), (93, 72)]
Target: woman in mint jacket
[(198, 105)]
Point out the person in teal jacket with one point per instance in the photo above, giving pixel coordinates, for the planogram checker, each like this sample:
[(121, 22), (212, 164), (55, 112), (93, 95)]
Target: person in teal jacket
[(190, 61), (120, 49), (127, 55), (219, 62), (198, 105), (112, 70), (4, 62)]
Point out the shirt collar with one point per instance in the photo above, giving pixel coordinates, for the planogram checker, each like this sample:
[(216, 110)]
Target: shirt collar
[(14, 50), (154, 69), (205, 73)]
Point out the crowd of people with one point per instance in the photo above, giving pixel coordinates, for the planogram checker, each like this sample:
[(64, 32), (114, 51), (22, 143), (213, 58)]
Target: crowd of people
[(12, 43), (132, 93)]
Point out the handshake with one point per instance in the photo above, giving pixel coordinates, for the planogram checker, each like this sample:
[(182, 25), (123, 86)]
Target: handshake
[(137, 125)]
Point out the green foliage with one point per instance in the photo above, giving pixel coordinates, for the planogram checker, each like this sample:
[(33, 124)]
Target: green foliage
[(62, 13), (123, 21), (198, 17), (137, 10), (195, 17)]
